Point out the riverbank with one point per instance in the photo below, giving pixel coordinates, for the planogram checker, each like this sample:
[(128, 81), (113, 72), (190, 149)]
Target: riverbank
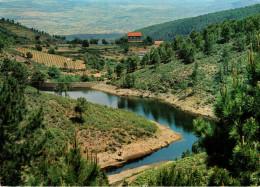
[(162, 138), (133, 173), (188, 105)]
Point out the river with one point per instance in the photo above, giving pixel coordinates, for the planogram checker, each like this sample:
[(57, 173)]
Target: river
[(151, 109)]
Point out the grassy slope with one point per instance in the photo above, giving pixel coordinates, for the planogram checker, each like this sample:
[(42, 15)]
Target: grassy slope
[(167, 31), (175, 77), (192, 162), (105, 128), (23, 34), (21, 31)]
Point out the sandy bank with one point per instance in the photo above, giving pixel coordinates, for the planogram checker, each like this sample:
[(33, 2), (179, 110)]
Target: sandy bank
[(133, 172), (187, 105), (162, 138)]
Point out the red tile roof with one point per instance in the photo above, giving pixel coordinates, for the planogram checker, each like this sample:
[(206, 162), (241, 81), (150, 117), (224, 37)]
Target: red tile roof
[(158, 42), (97, 75), (142, 51), (134, 34)]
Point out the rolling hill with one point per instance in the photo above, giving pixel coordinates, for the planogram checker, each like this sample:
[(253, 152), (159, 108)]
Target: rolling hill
[(167, 31), (102, 16), (22, 34)]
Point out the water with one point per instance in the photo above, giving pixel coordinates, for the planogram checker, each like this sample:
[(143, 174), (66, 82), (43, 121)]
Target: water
[(151, 109)]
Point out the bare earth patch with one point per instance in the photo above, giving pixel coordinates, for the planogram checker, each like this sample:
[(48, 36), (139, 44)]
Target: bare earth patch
[(187, 105), (162, 138)]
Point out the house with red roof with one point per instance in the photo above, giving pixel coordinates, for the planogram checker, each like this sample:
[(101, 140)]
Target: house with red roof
[(157, 43), (134, 37), (142, 53)]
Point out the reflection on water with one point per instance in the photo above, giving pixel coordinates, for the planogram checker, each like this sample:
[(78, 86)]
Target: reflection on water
[(151, 109)]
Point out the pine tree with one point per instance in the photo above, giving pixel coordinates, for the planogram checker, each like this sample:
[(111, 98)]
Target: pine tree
[(82, 172), (37, 78), (12, 112), (132, 63), (119, 69), (128, 81), (146, 60), (226, 31), (209, 45), (237, 132), (194, 75), (177, 43), (81, 107), (156, 59), (225, 60)]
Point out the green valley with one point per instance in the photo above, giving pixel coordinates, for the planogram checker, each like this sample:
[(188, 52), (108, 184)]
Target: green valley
[(131, 111)]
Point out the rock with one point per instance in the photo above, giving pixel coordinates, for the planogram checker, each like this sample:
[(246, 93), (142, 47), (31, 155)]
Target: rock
[(116, 144), (119, 159), (112, 149), (133, 137), (120, 152)]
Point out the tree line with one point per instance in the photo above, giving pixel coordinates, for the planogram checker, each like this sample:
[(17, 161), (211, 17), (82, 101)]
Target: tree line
[(167, 31)]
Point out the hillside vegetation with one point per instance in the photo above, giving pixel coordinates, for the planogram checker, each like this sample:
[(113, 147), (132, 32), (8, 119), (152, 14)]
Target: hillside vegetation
[(50, 140), (167, 31), (194, 69), (188, 164), (225, 57), (44, 136), (45, 133), (24, 35), (104, 128)]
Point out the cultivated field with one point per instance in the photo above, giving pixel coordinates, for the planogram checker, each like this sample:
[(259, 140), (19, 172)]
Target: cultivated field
[(53, 60)]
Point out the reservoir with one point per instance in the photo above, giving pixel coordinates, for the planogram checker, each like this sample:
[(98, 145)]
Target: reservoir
[(151, 109)]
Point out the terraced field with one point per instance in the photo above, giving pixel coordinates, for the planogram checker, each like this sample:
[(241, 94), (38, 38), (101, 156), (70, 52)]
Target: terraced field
[(53, 60)]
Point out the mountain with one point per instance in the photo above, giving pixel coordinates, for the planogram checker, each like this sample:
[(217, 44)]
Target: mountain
[(167, 31), (101, 16)]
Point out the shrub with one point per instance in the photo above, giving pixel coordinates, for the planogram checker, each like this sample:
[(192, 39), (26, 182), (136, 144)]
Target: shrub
[(51, 51), (38, 48), (54, 72)]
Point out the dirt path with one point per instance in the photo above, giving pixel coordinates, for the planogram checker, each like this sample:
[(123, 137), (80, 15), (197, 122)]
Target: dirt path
[(187, 105), (162, 138), (128, 172)]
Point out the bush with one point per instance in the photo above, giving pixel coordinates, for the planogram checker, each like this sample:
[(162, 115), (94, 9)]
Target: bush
[(86, 78), (54, 72), (29, 55), (51, 51), (128, 81), (177, 177), (38, 48)]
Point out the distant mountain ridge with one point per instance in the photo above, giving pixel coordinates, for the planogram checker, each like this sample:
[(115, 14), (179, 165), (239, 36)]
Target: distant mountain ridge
[(167, 31), (71, 17)]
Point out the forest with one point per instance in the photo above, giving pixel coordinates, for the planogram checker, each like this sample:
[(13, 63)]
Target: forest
[(232, 145), (167, 31)]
